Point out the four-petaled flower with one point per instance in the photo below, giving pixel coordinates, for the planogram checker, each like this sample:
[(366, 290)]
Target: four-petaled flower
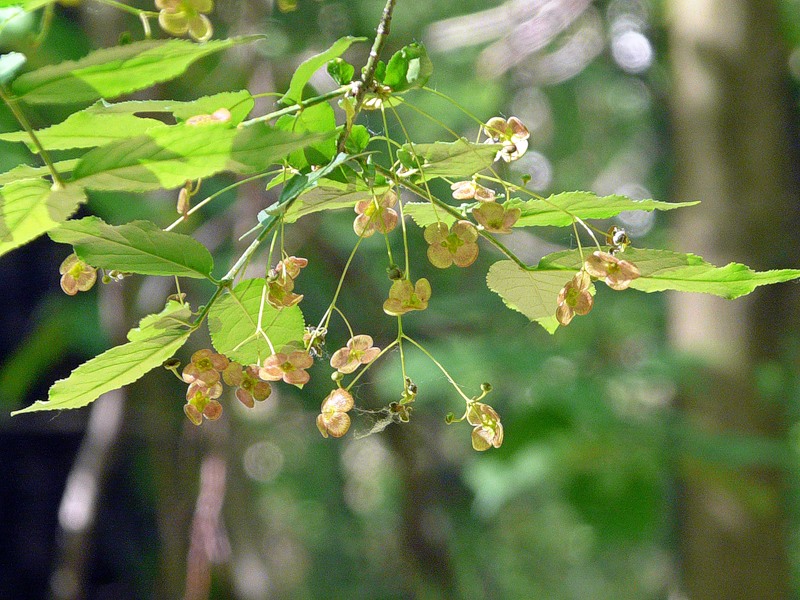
[(488, 431), (404, 297), (512, 134), (287, 365), (496, 218), (468, 190), (617, 273), (202, 404), (76, 275), (204, 368), (333, 419), (456, 245), (376, 214), (574, 298), (280, 282), (249, 387), (359, 351), (178, 17)]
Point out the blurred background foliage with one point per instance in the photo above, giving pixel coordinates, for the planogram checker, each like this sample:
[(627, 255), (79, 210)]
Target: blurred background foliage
[(583, 498)]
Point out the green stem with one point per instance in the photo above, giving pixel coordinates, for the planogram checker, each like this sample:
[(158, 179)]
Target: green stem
[(296, 107), (441, 368), (23, 121), (128, 9), (368, 74)]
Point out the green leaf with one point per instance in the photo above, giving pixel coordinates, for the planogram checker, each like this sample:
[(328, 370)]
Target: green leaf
[(461, 158), (664, 270), (330, 195), (408, 68), (166, 157), (319, 118), (21, 172), (136, 247), (424, 214), (110, 370), (558, 210), (112, 72), (233, 319), (309, 66), (175, 315), (10, 63), (30, 207), (341, 71), (533, 293), (239, 103), (85, 130)]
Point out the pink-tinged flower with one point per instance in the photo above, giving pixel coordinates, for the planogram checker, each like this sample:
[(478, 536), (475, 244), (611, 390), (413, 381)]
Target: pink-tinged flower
[(76, 275), (221, 115), (200, 405), (289, 366), (333, 419), (178, 17), (512, 134), (456, 245), (468, 190), (574, 298), (496, 218), (376, 214), (404, 297), (280, 282), (488, 431), (204, 367), (249, 388), (359, 351), (617, 273)]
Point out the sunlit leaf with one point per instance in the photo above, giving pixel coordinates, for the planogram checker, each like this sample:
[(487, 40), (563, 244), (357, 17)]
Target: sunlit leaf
[(85, 130), (27, 5), (319, 118), (167, 157), (111, 72), (307, 68), (110, 370), (238, 103), (233, 319), (408, 68), (533, 293), (30, 207), (10, 63), (21, 172), (175, 315), (461, 158), (559, 209), (136, 247)]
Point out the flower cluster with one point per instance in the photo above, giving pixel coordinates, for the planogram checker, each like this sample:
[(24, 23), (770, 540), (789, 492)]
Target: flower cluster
[(359, 351), (280, 282), (575, 298), (487, 429), (452, 245), (512, 134), (333, 419), (376, 214), (405, 297), (472, 190), (496, 218), (203, 376), (288, 365), (76, 275), (178, 17)]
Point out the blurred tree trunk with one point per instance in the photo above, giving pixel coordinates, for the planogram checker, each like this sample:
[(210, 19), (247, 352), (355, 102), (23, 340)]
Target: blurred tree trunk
[(731, 130)]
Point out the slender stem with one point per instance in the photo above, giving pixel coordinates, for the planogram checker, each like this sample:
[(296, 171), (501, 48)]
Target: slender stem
[(324, 323), (453, 212), (372, 362), (23, 121), (295, 107), (368, 74), (441, 368), (128, 9)]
